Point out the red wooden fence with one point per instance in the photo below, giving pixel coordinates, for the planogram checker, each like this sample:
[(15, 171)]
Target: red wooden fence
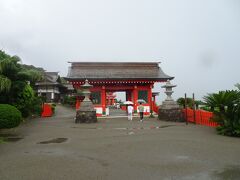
[(47, 110), (155, 108), (201, 117)]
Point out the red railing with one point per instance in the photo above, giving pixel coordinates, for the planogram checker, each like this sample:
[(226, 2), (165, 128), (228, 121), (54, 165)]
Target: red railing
[(46, 110), (155, 108), (199, 117)]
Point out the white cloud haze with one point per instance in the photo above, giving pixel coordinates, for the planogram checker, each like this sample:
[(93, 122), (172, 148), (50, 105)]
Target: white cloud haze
[(197, 41)]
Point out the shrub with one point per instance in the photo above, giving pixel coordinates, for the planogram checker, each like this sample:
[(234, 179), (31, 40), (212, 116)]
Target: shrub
[(53, 106), (24, 99), (9, 116), (70, 100), (37, 106), (226, 108)]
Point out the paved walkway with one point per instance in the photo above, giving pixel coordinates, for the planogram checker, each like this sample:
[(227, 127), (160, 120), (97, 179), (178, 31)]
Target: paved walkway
[(115, 148)]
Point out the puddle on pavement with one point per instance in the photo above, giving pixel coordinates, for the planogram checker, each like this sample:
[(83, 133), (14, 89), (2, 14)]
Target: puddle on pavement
[(85, 127), (165, 126), (229, 173), (10, 137), (56, 140)]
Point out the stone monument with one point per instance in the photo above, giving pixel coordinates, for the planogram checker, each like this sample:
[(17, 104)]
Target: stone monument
[(86, 113), (170, 110)]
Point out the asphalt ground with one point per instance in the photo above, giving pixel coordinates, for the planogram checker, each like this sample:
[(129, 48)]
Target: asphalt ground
[(115, 148)]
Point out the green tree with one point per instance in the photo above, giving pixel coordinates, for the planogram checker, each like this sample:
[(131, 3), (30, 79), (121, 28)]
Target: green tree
[(7, 70), (181, 102), (24, 99), (238, 86), (14, 83)]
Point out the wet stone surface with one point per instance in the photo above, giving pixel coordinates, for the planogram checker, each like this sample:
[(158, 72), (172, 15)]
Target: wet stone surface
[(10, 137), (229, 173), (114, 148), (56, 140)]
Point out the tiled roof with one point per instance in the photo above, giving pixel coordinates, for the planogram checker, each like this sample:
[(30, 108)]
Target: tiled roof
[(116, 71), (49, 78)]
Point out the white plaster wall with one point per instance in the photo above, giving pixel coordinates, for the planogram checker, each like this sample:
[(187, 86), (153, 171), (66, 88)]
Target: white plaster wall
[(146, 109), (98, 110)]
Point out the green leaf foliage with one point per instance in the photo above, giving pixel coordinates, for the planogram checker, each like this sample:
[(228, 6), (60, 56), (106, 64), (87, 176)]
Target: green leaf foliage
[(5, 84), (9, 116), (70, 100), (16, 82), (226, 108), (181, 102), (24, 99)]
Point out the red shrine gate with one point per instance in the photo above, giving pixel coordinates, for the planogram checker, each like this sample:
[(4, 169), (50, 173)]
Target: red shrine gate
[(110, 98), (136, 79)]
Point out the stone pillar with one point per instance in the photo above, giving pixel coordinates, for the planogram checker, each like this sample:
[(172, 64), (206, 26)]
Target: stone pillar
[(103, 99)]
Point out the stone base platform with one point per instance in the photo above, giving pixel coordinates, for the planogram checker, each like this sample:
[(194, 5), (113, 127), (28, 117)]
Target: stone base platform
[(86, 117), (175, 115)]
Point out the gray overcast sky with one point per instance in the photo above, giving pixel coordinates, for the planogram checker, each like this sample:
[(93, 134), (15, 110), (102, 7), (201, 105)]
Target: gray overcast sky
[(197, 41)]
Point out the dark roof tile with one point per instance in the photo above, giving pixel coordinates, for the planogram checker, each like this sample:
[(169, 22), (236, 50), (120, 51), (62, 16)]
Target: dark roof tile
[(109, 70)]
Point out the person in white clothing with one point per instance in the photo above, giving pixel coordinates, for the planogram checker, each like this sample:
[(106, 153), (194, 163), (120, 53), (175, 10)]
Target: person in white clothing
[(130, 112)]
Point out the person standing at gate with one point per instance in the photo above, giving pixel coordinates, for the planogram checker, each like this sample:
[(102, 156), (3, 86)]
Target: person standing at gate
[(130, 112), (141, 111)]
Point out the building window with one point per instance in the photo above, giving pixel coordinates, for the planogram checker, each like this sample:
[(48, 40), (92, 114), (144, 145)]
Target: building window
[(96, 97), (143, 94)]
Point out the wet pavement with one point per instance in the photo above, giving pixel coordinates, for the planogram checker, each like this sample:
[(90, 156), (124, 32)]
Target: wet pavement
[(115, 148)]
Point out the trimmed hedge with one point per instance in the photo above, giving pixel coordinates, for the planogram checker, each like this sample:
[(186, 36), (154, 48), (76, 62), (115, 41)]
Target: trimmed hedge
[(9, 116)]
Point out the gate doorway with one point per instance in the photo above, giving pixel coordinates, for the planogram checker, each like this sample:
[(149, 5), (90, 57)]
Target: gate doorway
[(114, 103)]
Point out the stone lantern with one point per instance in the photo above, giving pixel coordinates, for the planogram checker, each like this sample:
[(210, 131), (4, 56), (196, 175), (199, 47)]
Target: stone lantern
[(169, 102), (169, 110), (86, 113)]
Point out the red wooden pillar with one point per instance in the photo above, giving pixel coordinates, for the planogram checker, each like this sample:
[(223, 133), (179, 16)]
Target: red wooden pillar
[(77, 105), (154, 99), (154, 107), (128, 96), (135, 98), (103, 99), (112, 101), (150, 98)]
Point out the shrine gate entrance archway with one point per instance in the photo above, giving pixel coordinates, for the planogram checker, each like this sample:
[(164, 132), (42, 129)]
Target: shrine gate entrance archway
[(136, 79)]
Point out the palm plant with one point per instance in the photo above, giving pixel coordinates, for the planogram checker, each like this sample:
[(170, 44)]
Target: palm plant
[(226, 109), (220, 100)]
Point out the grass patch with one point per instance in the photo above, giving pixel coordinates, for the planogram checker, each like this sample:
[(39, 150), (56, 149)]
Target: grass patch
[(2, 140)]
